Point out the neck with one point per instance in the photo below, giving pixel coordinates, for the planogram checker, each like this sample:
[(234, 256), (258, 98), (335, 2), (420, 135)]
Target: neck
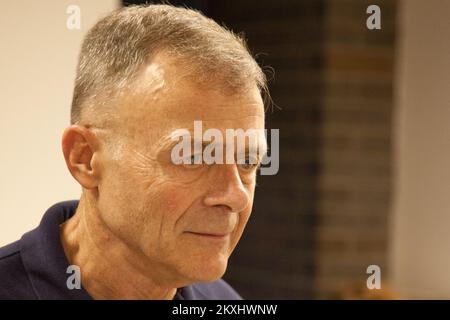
[(110, 269)]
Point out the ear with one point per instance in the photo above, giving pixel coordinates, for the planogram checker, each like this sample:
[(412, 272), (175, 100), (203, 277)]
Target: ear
[(80, 148)]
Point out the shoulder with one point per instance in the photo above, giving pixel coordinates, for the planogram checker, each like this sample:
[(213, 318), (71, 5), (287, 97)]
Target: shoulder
[(10, 249), (217, 290), (14, 282)]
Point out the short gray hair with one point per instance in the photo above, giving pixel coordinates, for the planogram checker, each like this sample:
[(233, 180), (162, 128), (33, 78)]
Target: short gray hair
[(117, 47)]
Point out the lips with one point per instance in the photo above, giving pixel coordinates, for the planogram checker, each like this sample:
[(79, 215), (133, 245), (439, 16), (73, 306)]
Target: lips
[(213, 235)]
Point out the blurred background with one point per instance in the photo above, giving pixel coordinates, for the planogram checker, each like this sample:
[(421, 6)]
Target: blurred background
[(364, 139)]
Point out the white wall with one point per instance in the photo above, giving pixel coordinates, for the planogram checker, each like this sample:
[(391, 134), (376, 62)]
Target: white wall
[(37, 67), (420, 257)]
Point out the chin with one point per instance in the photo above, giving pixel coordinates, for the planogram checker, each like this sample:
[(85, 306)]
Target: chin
[(208, 270)]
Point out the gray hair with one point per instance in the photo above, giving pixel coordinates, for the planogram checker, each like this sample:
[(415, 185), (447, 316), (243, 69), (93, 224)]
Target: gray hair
[(116, 48)]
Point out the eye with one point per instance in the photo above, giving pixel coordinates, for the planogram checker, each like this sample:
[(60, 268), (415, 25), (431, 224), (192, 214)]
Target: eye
[(189, 160), (249, 164)]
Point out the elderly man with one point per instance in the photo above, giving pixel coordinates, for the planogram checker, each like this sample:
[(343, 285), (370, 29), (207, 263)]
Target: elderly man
[(146, 227)]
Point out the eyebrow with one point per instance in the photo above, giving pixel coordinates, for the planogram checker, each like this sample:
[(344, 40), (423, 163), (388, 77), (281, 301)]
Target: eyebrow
[(166, 143)]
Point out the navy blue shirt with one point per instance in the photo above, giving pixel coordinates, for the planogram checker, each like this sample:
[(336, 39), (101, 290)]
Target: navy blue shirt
[(35, 266)]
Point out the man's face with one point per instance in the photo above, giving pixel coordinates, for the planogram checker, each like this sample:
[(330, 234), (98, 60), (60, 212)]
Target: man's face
[(184, 220)]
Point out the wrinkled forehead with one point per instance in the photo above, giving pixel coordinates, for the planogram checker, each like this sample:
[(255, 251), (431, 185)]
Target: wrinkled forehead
[(165, 98)]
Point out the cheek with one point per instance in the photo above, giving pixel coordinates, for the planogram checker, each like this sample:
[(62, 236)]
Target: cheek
[(165, 205), (125, 201), (244, 217)]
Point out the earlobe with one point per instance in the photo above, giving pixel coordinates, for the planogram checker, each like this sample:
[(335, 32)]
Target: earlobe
[(79, 145)]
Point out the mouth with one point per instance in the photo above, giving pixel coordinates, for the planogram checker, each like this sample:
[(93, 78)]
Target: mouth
[(212, 236)]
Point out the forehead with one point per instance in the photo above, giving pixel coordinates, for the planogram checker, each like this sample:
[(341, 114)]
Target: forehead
[(165, 98)]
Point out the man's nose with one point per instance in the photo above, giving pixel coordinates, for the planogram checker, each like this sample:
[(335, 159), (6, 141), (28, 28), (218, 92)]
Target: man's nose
[(227, 189)]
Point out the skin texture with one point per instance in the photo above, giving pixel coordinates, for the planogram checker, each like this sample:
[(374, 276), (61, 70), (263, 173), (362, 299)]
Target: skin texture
[(145, 226)]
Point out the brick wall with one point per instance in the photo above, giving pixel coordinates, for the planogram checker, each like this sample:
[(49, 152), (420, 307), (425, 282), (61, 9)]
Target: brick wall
[(355, 154)]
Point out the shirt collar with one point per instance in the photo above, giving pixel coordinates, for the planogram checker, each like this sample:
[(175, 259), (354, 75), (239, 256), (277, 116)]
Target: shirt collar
[(44, 258)]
